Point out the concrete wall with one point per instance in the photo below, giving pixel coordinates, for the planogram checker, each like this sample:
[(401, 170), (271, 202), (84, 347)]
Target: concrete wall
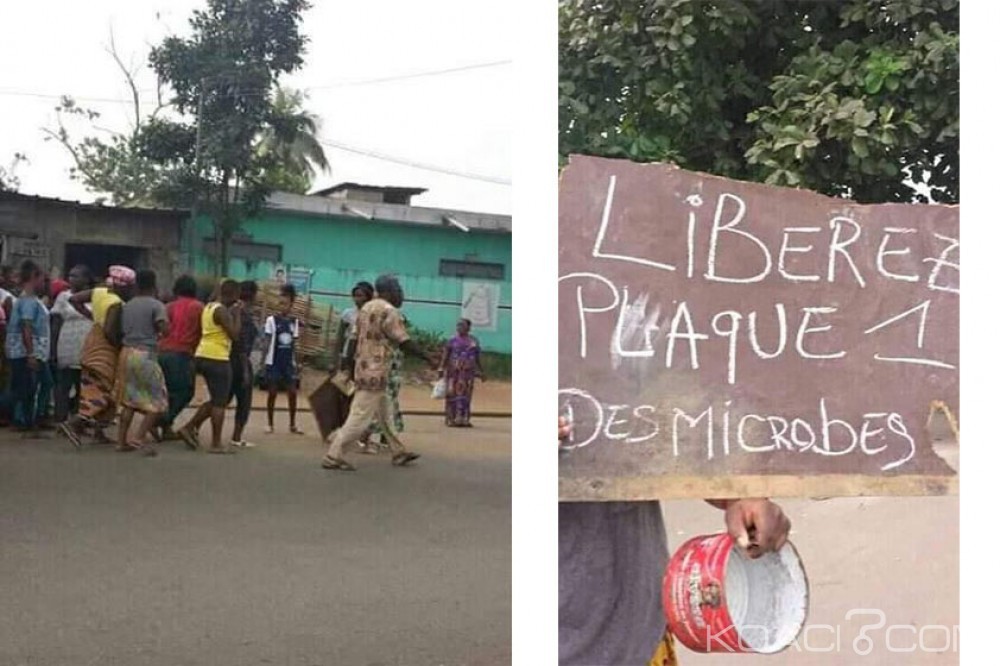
[(121, 232), (343, 250)]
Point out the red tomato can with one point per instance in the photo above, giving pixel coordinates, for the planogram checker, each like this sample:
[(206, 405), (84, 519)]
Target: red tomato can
[(717, 599)]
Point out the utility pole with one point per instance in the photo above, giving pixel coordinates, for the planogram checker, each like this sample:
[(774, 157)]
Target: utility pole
[(192, 223)]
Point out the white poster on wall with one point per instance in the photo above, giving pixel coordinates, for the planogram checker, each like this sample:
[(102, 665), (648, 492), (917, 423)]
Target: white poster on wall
[(480, 304)]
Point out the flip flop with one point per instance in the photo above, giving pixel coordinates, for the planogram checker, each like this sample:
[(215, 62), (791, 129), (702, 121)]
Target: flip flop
[(127, 447), (338, 464), (69, 433), (222, 450), (404, 459), (189, 438)]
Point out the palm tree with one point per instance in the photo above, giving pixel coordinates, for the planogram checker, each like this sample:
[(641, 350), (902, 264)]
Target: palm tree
[(291, 138)]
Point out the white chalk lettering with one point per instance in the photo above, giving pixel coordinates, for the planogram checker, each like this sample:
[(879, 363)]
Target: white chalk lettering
[(725, 429), (583, 311), (778, 434), (599, 242), (690, 244), (800, 249), (805, 329), (741, 440), (640, 413), (566, 399), (827, 427), (782, 333), (611, 422), (731, 332), (683, 314), (866, 433), (711, 433), (692, 422), (839, 247), (634, 323), (883, 253), (898, 426), (942, 261), (803, 443), (924, 310), (718, 228)]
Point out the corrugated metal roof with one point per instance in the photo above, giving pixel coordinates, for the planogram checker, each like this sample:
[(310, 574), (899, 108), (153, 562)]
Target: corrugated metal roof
[(18, 196), (413, 191), (393, 213)]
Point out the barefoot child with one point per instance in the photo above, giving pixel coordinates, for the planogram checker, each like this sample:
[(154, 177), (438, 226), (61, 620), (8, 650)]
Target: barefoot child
[(282, 330)]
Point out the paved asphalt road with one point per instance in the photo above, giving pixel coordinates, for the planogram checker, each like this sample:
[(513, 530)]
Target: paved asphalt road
[(258, 558)]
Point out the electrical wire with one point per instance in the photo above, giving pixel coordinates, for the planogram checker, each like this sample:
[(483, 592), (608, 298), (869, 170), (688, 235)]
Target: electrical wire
[(330, 86), (416, 165)]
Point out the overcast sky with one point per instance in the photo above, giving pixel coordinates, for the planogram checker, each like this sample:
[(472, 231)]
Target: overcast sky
[(458, 121)]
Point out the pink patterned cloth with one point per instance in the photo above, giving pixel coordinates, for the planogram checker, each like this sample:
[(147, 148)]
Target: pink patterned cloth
[(120, 276)]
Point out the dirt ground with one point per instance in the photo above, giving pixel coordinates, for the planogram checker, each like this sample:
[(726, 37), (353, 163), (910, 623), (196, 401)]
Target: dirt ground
[(257, 558), (894, 561)]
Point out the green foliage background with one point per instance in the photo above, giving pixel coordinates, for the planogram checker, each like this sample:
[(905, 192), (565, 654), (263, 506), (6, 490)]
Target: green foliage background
[(848, 98)]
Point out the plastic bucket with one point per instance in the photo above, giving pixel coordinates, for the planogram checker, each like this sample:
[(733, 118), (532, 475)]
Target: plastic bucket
[(717, 599)]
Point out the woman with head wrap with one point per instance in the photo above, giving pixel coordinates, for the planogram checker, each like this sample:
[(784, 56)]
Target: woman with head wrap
[(99, 358)]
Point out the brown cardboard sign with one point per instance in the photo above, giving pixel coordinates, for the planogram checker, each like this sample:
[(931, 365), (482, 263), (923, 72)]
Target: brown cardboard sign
[(720, 338)]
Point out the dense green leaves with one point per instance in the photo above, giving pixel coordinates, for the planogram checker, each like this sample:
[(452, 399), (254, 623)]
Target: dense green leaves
[(855, 98), (224, 76), (228, 136)]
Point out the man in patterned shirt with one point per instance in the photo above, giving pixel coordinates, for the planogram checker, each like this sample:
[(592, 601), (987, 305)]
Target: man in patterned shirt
[(379, 328)]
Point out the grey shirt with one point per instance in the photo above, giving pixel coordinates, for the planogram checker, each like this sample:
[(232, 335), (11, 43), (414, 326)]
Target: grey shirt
[(612, 556), (139, 317)]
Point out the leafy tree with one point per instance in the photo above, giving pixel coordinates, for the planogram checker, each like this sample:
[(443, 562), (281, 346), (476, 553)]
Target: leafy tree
[(291, 138), (115, 162), (856, 98), (223, 76), (228, 135), (9, 182)]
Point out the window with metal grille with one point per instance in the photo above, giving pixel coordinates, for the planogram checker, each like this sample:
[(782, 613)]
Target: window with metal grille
[(471, 269)]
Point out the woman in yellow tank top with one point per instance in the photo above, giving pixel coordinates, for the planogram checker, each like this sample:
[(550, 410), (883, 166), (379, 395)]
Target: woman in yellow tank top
[(215, 341), (101, 300), (220, 325), (99, 356)]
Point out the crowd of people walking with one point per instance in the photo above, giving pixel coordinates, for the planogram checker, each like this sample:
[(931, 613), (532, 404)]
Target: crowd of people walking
[(82, 356)]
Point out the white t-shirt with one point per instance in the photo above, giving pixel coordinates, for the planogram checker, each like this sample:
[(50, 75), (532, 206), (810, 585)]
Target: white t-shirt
[(74, 331)]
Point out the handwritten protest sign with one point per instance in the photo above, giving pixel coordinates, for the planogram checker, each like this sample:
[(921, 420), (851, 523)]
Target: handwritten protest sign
[(721, 338)]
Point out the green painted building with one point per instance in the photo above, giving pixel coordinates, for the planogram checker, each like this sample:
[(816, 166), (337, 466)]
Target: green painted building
[(450, 263)]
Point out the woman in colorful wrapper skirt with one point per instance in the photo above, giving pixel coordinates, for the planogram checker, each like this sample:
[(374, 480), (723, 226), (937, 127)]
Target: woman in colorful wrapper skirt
[(99, 359), (460, 367)]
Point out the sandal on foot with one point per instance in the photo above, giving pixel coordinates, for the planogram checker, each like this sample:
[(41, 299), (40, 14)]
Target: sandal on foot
[(338, 464), (221, 450), (70, 433), (189, 438), (404, 459), (128, 447)]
